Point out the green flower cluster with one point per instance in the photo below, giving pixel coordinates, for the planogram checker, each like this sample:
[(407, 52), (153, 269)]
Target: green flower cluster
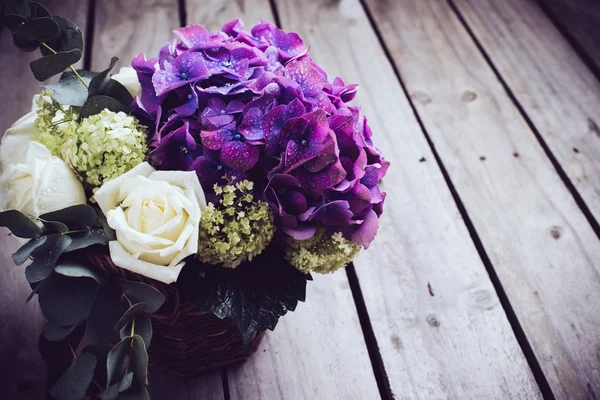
[(322, 253), (237, 229), (99, 148)]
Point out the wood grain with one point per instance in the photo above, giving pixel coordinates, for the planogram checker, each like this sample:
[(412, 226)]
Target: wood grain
[(22, 371), (558, 92), (580, 18), (126, 28), (434, 311), (542, 247), (214, 13)]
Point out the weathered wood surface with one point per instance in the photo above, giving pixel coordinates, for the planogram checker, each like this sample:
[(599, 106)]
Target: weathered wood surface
[(581, 20), (126, 28), (555, 88), (542, 247), (22, 371), (429, 344), (214, 13)]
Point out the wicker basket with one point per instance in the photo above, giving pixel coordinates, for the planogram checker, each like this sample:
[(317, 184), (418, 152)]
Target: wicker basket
[(185, 340)]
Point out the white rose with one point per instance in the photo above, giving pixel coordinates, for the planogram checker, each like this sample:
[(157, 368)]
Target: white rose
[(156, 215), (128, 78), (32, 180)]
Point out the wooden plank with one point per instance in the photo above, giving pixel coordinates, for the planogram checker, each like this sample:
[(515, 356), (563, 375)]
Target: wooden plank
[(126, 28), (318, 351), (580, 19), (214, 13), (22, 371), (434, 311), (542, 247), (558, 92)]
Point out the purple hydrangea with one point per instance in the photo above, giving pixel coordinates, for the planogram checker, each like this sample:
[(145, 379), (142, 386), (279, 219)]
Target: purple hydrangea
[(254, 105)]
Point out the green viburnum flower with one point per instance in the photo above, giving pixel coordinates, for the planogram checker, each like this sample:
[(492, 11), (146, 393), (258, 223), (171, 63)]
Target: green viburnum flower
[(236, 229), (100, 148), (322, 253)]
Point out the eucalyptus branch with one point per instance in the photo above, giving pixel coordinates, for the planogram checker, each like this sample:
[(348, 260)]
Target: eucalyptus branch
[(70, 66), (75, 358)]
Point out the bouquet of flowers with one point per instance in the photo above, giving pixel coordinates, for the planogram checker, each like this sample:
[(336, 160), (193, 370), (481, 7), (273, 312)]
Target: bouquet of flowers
[(197, 188)]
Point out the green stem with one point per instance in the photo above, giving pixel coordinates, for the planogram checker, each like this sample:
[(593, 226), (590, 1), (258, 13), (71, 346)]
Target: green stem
[(70, 66)]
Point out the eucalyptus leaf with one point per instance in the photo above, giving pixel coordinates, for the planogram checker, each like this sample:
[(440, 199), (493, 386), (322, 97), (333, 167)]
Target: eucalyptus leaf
[(39, 10), (117, 361), (74, 383), (139, 292), (54, 332), (130, 314), (40, 29), (81, 216), (110, 393), (48, 66), (94, 105), (66, 300), (107, 309), (11, 20), (139, 359), (57, 355), (100, 80), (24, 44), (143, 327), (55, 226), (69, 38), (82, 240), (137, 391), (19, 7), (36, 288), (23, 254), (69, 90), (77, 270), (46, 257), (126, 382), (19, 224), (117, 91)]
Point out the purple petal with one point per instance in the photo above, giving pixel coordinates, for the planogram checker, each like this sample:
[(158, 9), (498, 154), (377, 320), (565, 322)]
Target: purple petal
[(215, 140), (367, 231), (251, 126), (196, 37), (309, 79), (301, 232), (239, 155)]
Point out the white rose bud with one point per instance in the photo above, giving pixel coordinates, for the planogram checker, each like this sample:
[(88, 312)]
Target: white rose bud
[(32, 180), (156, 215), (128, 78)]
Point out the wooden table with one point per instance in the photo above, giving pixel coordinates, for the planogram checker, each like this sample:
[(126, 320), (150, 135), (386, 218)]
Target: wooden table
[(484, 281)]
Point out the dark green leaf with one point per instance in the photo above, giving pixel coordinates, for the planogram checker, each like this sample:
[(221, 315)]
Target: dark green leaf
[(80, 216), (94, 105), (139, 292), (118, 92), (19, 224), (69, 90), (65, 300), (106, 311), (24, 44), (11, 20), (82, 240), (131, 313), (57, 355), (108, 231), (110, 393), (46, 257), (77, 270), (25, 251), (137, 391), (19, 7), (139, 359), (55, 227), (39, 10), (48, 66), (69, 38), (143, 327), (117, 361), (100, 80), (255, 294), (74, 383), (54, 332), (35, 289), (126, 382), (40, 29)]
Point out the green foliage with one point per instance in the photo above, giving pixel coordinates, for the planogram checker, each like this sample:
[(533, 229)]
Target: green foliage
[(19, 224), (255, 294), (139, 292), (46, 67), (95, 104), (74, 383)]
